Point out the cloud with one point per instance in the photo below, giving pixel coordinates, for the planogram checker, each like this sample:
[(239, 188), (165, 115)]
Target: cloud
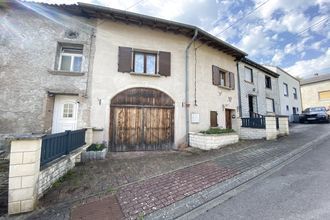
[(278, 57), (307, 67), (256, 42)]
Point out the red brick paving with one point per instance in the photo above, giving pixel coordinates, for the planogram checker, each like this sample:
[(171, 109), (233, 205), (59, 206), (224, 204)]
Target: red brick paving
[(155, 193), (105, 209)]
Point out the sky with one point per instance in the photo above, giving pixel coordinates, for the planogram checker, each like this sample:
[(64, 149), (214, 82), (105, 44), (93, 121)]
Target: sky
[(291, 34)]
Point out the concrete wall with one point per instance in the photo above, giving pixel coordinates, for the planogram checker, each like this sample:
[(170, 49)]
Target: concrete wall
[(29, 44), (289, 101), (310, 94), (257, 88), (107, 81)]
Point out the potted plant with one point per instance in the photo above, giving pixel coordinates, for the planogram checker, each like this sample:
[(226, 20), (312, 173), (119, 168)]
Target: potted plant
[(94, 152)]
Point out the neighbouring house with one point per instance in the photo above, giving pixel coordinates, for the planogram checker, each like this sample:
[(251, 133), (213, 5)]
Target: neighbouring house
[(315, 91), (155, 80), (45, 61), (258, 89), (289, 93)]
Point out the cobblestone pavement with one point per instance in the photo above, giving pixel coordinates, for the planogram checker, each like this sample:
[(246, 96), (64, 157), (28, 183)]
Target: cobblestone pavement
[(144, 192), (4, 166)]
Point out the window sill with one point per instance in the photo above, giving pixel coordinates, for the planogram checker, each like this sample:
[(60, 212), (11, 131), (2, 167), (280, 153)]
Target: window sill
[(269, 88), (249, 82), (224, 87), (66, 73), (144, 74)]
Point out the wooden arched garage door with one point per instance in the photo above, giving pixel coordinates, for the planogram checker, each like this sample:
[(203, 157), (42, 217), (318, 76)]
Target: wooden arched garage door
[(141, 119)]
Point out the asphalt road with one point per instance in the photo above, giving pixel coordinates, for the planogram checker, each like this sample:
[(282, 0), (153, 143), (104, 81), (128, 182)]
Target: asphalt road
[(300, 190)]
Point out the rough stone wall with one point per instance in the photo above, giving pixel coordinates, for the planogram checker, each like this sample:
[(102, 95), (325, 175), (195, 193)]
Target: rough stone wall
[(49, 175), (29, 42), (258, 89)]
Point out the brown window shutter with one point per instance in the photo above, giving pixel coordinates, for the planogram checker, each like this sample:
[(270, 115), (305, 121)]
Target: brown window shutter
[(164, 63), (125, 59), (232, 80), (227, 80), (214, 119), (215, 75)]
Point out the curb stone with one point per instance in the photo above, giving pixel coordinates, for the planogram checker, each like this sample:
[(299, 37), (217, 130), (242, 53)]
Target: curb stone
[(200, 202)]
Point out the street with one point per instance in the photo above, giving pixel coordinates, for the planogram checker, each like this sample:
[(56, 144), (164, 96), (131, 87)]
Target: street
[(300, 190)]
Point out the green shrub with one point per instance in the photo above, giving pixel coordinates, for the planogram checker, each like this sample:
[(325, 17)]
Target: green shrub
[(96, 147), (217, 131)]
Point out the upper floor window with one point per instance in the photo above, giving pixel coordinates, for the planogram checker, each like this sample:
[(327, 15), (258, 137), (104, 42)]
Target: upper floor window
[(222, 77), (145, 63), (324, 96), (268, 81), (285, 89), (248, 74), (70, 58), (295, 95)]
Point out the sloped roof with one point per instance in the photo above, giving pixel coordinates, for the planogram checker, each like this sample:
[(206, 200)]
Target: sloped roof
[(316, 79), (116, 15), (260, 67)]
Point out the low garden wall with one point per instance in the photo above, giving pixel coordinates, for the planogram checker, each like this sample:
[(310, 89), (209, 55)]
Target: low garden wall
[(53, 171), (211, 141), (28, 180), (252, 133)]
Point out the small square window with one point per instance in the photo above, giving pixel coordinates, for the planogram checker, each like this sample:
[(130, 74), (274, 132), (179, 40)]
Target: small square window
[(68, 110), (70, 58)]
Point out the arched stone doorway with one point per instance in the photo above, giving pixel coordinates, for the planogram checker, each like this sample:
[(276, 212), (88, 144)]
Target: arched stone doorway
[(141, 119)]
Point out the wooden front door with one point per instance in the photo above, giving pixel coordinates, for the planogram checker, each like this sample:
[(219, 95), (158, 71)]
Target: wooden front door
[(228, 119), (141, 120)]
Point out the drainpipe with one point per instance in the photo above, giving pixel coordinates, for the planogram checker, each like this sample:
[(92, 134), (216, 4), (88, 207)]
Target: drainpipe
[(187, 85), (239, 89)]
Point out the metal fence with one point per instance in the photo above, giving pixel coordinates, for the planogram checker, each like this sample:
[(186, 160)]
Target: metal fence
[(55, 145), (254, 122)]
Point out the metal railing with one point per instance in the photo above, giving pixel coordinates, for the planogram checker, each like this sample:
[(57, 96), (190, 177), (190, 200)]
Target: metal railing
[(254, 122), (256, 115), (55, 145)]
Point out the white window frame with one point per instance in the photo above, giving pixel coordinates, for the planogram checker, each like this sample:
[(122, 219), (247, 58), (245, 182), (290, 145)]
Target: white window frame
[(273, 104), (250, 73), (285, 89), (72, 55)]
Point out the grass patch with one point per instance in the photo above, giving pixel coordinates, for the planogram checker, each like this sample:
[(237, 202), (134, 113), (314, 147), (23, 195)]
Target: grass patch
[(111, 190), (96, 147), (70, 175), (217, 131)]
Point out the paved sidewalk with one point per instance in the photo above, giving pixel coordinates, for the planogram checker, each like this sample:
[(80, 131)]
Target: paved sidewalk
[(186, 182), (152, 195)]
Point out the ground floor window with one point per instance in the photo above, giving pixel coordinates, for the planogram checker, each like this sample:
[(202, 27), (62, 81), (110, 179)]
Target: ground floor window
[(270, 105)]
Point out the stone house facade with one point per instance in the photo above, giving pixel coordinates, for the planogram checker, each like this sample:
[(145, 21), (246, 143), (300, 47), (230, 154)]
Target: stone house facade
[(44, 63), (289, 92), (119, 79), (258, 89), (315, 91)]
